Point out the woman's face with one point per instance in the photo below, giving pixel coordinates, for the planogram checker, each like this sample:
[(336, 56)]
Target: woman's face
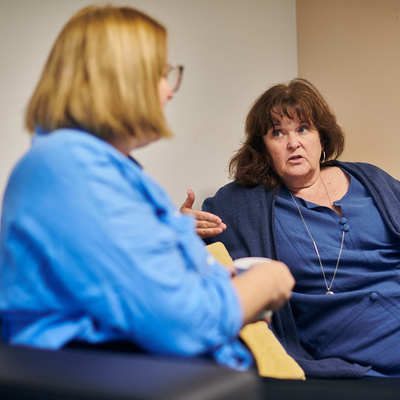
[(295, 149), (165, 92)]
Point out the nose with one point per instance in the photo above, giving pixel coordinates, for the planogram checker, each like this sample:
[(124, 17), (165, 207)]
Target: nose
[(293, 141), (170, 92)]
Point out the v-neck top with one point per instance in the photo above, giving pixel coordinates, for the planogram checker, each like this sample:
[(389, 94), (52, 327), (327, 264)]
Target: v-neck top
[(361, 321)]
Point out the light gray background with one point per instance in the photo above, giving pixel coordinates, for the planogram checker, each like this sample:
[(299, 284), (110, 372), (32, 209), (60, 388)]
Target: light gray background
[(232, 51)]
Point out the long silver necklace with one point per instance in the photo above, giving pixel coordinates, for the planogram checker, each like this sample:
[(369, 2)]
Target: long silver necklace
[(328, 286)]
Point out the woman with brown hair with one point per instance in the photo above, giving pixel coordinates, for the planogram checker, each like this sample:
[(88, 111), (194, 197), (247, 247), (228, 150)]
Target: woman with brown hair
[(92, 249), (335, 224)]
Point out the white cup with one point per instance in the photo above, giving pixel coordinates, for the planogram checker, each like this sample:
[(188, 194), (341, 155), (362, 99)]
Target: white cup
[(246, 262)]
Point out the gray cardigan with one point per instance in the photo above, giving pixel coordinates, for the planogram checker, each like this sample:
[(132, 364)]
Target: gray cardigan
[(249, 214)]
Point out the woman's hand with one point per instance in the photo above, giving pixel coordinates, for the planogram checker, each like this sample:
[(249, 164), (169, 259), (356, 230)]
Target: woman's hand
[(280, 283), (263, 286), (207, 224)]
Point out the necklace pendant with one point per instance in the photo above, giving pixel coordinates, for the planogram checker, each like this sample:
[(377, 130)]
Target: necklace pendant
[(329, 292)]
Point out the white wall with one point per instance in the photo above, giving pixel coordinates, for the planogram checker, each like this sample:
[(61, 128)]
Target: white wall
[(232, 51)]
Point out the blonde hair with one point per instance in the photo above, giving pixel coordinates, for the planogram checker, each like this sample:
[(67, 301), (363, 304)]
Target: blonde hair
[(102, 75)]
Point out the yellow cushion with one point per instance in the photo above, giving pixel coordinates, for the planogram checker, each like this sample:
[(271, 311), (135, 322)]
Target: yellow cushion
[(219, 251), (271, 358)]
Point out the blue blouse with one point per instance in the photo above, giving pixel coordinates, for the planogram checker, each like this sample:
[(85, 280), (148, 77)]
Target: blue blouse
[(361, 321), (92, 249)]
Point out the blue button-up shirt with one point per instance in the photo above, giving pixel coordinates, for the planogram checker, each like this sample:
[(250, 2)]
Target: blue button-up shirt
[(361, 321), (92, 249)]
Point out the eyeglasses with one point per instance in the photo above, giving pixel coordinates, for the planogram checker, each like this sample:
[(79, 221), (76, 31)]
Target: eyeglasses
[(174, 76)]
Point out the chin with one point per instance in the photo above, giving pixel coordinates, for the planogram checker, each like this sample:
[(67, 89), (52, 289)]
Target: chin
[(299, 172), (299, 175)]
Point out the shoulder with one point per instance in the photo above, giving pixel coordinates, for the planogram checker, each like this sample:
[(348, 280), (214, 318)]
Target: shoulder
[(364, 170), (67, 166), (229, 189), (236, 198), (76, 155), (234, 190), (71, 144), (357, 166)]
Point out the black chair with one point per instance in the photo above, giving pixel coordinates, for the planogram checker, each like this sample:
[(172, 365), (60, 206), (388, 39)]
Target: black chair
[(27, 373)]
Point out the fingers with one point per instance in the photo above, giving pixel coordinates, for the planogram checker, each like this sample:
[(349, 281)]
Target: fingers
[(188, 203), (203, 216), (279, 283), (207, 224), (277, 304), (209, 232), (264, 286), (283, 286)]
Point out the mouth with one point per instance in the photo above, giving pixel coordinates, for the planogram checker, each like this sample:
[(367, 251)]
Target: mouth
[(295, 158)]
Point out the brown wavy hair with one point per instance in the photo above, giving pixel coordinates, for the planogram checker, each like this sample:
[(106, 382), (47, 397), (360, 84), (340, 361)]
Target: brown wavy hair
[(252, 165)]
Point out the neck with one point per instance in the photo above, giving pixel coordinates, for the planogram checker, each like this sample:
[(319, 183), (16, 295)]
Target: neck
[(315, 191), (319, 192), (306, 186), (125, 146)]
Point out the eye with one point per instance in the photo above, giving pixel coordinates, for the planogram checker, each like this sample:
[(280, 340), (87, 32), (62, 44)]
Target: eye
[(276, 133), (303, 128)]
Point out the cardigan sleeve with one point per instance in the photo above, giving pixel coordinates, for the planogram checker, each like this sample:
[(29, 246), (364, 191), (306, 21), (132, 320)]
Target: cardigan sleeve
[(228, 205)]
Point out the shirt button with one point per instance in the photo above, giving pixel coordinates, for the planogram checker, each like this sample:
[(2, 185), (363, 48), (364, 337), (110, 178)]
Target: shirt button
[(343, 220), (210, 260), (345, 228), (373, 296)]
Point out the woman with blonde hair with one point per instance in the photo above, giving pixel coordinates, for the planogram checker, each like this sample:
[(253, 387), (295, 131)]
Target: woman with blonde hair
[(92, 249)]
